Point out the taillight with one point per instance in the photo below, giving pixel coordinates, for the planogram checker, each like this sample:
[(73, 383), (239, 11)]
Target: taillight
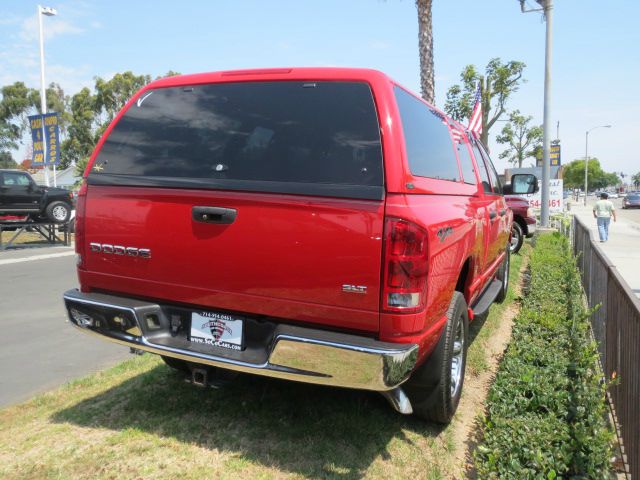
[(405, 266), (79, 227)]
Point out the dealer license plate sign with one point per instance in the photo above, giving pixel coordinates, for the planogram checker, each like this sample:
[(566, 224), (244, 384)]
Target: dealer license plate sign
[(217, 329)]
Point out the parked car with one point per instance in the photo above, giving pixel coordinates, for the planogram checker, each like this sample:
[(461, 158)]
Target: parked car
[(632, 200), (318, 225), (20, 195), (524, 221)]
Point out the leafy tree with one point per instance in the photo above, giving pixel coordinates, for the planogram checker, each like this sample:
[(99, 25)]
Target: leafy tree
[(57, 101), (17, 100), (92, 113), (573, 175), (111, 95), (609, 180), (522, 140), (425, 48), (499, 81), (6, 161), (82, 130), (169, 73), (83, 117), (636, 180)]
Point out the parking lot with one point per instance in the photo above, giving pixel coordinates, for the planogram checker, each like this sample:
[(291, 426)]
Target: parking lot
[(38, 348)]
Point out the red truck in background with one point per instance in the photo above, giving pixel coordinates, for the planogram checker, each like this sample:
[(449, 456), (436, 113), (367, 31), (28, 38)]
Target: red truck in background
[(524, 221), (320, 225)]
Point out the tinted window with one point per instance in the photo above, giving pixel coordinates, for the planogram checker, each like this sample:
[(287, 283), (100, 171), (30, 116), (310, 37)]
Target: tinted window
[(312, 132), (484, 174), (427, 139), (495, 180), (11, 178), (468, 171)]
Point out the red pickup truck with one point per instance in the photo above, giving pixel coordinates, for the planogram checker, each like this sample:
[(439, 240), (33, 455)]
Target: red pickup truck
[(320, 225)]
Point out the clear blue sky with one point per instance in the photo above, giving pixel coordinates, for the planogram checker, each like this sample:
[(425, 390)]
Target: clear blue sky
[(596, 63)]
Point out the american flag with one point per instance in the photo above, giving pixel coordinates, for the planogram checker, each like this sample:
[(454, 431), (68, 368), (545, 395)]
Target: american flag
[(458, 136), (475, 123)]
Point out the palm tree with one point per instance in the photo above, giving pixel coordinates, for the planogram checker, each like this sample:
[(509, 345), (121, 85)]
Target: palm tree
[(425, 47)]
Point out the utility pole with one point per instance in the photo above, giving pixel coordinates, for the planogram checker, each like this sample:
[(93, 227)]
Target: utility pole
[(546, 136), (547, 9), (49, 12)]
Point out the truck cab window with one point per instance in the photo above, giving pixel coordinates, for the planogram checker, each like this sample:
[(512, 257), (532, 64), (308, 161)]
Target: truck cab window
[(427, 139)]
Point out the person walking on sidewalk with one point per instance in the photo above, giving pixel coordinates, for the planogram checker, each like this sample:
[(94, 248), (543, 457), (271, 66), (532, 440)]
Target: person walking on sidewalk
[(603, 210)]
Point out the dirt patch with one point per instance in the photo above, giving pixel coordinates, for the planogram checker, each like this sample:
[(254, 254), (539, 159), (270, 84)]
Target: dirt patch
[(477, 384)]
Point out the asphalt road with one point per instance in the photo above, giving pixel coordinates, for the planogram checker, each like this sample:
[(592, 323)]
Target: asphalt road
[(632, 214), (39, 349)]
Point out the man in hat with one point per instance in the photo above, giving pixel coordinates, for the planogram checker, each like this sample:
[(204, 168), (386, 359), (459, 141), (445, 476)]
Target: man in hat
[(603, 210)]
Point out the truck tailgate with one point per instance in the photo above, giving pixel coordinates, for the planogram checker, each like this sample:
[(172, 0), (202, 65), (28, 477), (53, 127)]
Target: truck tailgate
[(288, 256)]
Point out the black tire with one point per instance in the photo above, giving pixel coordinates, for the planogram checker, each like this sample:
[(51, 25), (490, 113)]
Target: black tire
[(517, 238), (176, 364), (434, 395), (503, 276), (58, 212)]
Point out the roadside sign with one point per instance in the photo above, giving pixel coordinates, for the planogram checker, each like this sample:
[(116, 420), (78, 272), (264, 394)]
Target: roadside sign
[(45, 132), (554, 155), (35, 123), (555, 196)]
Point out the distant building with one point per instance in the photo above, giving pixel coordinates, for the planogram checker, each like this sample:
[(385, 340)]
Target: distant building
[(67, 178), (64, 178)]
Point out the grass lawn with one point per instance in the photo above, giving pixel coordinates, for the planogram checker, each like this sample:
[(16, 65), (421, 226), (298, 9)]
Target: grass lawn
[(32, 239), (141, 420)]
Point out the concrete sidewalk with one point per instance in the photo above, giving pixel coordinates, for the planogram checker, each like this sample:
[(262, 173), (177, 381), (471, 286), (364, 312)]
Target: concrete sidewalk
[(623, 246)]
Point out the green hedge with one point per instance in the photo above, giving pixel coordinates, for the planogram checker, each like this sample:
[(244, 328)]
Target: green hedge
[(546, 411)]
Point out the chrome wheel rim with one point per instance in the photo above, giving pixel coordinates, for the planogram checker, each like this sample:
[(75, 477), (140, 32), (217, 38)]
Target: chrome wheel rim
[(59, 213), (457, 359), (515, 238)]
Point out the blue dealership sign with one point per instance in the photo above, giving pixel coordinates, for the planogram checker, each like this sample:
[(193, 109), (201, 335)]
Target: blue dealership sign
[(46, 141)]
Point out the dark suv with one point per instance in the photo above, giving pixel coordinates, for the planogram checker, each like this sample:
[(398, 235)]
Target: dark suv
[(20, 195)]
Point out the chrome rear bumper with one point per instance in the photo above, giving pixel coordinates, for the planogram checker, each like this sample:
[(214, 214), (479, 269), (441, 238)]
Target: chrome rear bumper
[(287, 352)]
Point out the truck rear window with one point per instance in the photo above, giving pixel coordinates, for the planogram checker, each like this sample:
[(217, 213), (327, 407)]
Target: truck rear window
[(291, 137)]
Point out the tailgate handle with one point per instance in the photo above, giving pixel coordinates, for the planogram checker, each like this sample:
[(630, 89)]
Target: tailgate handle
[(220, 215)]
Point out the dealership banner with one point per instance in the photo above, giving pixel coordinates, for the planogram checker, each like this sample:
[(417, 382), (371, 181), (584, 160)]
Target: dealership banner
[(46, 141)]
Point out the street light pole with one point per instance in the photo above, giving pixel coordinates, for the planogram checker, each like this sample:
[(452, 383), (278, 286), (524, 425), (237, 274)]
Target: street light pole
[(547, 8), (48, 11), (546, 136), (586, 159)]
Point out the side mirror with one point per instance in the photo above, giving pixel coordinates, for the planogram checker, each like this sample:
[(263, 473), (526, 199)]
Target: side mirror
[(522, 184)]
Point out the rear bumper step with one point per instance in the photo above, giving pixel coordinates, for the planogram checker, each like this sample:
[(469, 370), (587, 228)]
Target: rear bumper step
[(288, 352)]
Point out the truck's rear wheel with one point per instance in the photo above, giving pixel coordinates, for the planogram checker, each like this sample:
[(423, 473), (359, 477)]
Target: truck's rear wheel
[(503, 276), (58, 212), (517, 238), (436, 386)]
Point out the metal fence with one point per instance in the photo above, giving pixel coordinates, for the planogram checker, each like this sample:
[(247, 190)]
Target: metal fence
[(616, 326)]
